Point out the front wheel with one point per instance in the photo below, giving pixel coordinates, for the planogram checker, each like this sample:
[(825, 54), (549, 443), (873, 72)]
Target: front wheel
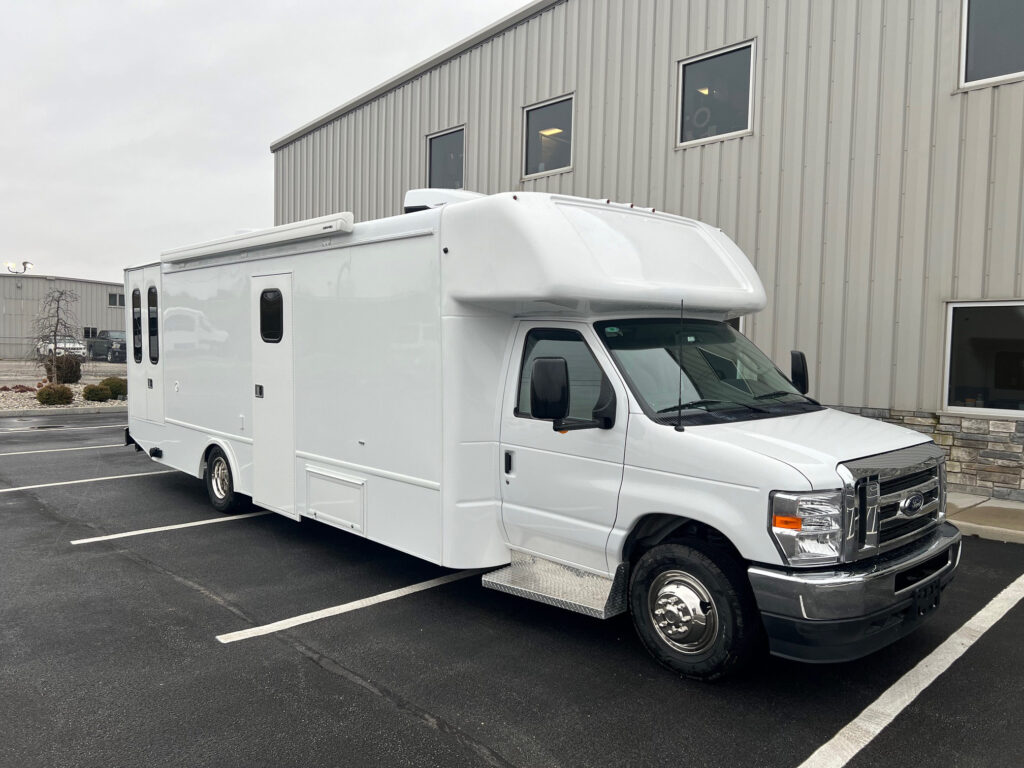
[(220, 484), (694, 611)]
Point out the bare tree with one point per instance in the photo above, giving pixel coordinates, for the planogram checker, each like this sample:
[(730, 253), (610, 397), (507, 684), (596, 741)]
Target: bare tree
[(55, 322)]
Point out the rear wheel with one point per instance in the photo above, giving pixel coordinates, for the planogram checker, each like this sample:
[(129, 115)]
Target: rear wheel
[(220, 484), (694, 611)]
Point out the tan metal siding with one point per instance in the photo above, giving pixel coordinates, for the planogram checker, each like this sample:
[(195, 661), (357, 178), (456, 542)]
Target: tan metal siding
[(871, 191)]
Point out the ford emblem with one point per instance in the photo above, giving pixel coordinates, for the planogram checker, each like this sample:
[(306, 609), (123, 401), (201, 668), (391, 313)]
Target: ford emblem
[(912, 505)]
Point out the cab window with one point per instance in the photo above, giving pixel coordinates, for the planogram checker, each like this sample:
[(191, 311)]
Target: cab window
[(585, 375)]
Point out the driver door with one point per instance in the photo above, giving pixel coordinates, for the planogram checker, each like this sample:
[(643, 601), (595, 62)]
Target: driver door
[(560, 490)]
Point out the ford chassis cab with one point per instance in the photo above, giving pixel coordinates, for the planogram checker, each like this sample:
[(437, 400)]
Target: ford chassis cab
[(548, 388)]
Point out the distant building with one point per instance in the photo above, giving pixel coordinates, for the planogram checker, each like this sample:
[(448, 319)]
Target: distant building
[(100, 307), (867, 157)]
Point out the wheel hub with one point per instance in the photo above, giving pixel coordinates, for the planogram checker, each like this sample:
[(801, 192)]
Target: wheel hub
[(683, 612), (220, 478)]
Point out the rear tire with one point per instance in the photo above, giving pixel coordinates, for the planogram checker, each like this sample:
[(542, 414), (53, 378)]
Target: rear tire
[(220, 483), (693, 608)]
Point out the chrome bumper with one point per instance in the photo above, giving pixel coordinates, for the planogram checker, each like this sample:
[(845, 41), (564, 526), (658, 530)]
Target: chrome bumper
[(859, 590)]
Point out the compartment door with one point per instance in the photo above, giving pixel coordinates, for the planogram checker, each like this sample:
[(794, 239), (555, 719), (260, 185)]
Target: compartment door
[(272, 393)]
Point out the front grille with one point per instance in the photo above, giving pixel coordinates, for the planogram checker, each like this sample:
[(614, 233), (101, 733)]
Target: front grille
[(893, 499)]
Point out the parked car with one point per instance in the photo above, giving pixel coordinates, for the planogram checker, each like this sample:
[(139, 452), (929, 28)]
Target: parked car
[(109, 346), (66, 345)]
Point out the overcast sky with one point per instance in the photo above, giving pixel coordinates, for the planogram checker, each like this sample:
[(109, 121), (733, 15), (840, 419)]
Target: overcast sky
[(129, 128)]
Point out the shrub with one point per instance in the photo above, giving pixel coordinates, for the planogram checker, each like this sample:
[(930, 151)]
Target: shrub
[(96, 393), (55, 394), (116, 385), (67, 369)]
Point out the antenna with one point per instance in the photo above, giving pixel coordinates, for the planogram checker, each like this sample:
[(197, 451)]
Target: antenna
[(679, 354)]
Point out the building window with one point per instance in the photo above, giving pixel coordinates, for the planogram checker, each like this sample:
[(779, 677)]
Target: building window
[(716, 95), (89, 333), (548, 137), (445, 159), (991, 49), (115, 299), (271, 316), (154, 322), (137, 325), (986, 356)]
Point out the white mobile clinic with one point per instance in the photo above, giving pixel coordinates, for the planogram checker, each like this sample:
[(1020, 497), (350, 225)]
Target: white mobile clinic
[(546, 386)]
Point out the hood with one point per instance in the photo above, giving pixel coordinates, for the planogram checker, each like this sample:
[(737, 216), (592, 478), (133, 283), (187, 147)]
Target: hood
[(813, 443)]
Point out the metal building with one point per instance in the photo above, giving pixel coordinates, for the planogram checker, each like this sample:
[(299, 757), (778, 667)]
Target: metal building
[(100, 307), (867, 155)]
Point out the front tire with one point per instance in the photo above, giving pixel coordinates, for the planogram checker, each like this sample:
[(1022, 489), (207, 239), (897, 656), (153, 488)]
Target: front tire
[(220, 483), (694, 611)]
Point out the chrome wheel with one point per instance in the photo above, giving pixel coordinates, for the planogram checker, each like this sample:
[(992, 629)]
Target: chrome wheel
[(683, 612), (220, 478)]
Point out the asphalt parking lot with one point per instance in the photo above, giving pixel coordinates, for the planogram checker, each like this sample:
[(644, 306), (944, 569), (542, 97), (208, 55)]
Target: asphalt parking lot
[(109, 653)]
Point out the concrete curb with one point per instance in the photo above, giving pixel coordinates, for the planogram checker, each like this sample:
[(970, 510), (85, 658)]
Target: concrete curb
[(989, 532), (74, 411)]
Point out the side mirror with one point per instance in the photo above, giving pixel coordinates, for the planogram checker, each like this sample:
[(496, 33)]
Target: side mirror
[(549, 388), (798, 375)]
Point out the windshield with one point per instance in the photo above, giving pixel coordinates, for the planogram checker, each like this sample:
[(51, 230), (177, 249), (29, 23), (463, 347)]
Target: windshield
[(722, 376), (117, 335)]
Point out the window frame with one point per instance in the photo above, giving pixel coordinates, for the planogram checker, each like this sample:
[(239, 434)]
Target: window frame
[(438, 134), (153, 331), (280, 294), (137, 348), (516, 412), (682, 63), (999, 414), (524, 176), (964, 83)]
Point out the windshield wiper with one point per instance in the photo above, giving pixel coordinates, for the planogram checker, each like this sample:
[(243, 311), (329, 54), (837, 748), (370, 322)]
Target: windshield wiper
[(701, 403), (781, 392)]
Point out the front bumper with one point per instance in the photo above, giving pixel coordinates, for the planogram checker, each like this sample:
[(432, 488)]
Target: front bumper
[(843, 614)]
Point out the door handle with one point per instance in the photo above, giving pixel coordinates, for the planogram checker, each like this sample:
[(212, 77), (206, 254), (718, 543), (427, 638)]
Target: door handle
[(508, 462), (259, 390)]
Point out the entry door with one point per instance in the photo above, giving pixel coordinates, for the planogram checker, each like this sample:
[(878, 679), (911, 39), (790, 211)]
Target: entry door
[(560, 491), (152, 345), (273, 399)]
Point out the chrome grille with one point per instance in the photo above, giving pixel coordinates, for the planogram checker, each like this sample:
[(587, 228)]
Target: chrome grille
[(892, 499)]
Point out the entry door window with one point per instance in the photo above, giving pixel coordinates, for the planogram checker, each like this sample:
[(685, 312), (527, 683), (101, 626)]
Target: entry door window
[(271, 316), (585, 375), (154, 330), (137, 325)]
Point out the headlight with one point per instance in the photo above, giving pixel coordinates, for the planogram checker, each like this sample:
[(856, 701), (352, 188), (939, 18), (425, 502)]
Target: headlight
[(808, 527), (116, 345)]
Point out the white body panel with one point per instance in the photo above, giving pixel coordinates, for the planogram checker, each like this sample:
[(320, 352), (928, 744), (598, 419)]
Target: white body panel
[(396, 381)]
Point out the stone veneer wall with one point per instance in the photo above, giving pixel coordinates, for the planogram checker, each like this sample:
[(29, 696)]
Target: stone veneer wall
[(983, 456)]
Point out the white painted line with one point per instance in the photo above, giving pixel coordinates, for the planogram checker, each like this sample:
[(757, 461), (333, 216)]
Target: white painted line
[(88, 480), (43, 429), (842, 747), (62, 450), (305, 618), (209, 521)]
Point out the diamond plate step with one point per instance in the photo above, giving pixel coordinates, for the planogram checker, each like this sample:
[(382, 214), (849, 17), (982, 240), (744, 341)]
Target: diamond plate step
[(561, 585)]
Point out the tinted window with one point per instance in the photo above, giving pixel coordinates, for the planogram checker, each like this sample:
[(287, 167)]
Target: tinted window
[(986, 358), (271, 315), (446, 160), (154, 315), (585, 375), (548, 137), (995, 39), (137, 325), (715, 95)]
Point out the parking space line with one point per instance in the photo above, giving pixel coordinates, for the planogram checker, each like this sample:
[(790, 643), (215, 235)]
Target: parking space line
[(842, 747), (87, 480), (44, 429), (62, 450), (324, 613), (208, 521)]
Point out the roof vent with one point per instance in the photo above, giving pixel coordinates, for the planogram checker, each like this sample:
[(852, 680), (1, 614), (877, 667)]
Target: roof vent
[(422, 199)]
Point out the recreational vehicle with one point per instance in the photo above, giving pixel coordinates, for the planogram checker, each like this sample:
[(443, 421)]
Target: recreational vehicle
[(552, 389)]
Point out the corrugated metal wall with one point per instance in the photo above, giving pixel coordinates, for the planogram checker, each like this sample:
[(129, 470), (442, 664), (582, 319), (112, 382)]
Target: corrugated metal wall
[(871, 190), (22, 295)]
